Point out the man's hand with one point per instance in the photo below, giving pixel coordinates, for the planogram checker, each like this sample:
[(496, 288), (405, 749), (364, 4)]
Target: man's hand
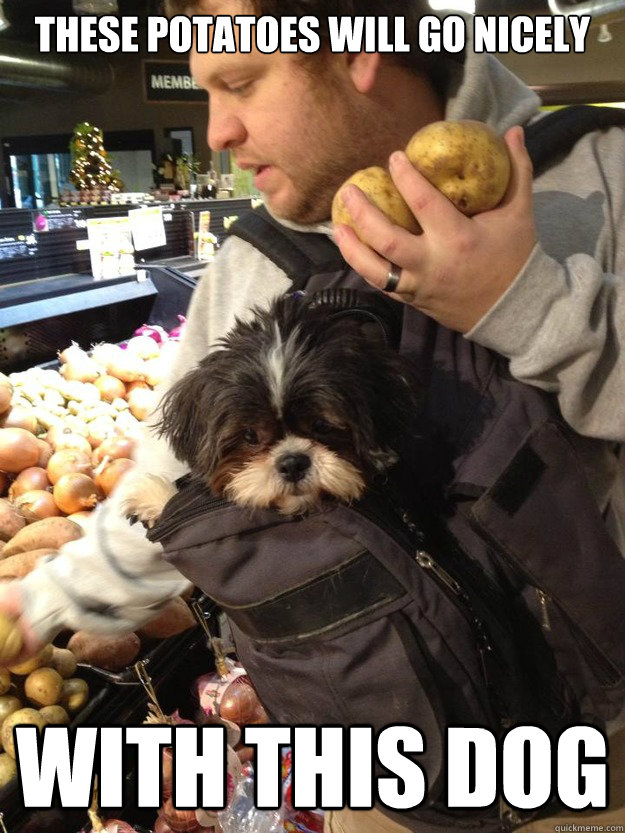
[(11, 609), (458, 268)]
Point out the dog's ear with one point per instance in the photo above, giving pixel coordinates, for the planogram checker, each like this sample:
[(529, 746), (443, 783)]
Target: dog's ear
[(182, 407)]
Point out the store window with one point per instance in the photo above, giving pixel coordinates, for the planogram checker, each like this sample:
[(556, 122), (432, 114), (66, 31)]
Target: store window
[(37, 167)]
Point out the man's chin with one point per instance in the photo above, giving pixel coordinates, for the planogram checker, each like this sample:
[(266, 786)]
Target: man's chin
[(296, 211)]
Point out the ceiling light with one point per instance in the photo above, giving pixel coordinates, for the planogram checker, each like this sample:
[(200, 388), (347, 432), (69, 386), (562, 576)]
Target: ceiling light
[(95, 6), (466, 6), (4, 23)]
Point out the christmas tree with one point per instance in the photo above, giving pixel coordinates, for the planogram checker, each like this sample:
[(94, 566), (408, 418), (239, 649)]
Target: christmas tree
[(90, 166)]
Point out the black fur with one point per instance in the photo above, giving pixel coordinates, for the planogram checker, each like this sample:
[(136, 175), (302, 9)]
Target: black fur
[(335, 366)]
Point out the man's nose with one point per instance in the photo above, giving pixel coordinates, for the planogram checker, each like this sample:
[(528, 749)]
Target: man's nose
[(225, 130)]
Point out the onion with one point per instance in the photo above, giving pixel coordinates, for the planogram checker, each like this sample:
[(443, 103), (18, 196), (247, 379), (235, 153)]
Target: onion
[(110, 387), (142, 402), (114, 448), (75, 425), (103, 353), (34, 477), (99, 429), (37, 505), (117, 826), (83, 370), (73, 352), (154, 331), (20, 418), (56, 432), (6, 393), (74, 441), (18, 450), (140, 384), (143, 346), (4, 482), (45, 452), (126, 366), (161, 826), (68, 461), (180, 821), (178, 331), (108, 474), (83, 519), (154, 371), (75, 492)]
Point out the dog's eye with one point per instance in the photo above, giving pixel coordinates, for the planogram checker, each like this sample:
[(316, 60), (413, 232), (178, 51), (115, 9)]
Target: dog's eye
[(250, 436), (322, 426)]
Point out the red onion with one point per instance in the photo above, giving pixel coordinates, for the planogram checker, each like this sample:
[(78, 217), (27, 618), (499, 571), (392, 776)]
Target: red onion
[(154, 331), (176, 333)]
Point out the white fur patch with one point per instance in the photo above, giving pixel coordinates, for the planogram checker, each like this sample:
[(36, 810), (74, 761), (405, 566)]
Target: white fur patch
[(144, 496), (260, 485)]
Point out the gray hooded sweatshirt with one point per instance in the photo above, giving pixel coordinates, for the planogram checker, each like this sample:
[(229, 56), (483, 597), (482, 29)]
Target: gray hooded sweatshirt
[(561, 324)]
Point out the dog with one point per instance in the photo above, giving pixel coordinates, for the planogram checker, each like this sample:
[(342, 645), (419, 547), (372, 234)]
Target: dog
[(301, 404)]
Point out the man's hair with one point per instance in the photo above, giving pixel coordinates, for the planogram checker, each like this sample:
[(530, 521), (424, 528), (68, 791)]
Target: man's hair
[(435, 66)]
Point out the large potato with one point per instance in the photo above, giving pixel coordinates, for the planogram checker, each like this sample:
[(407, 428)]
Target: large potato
[(380, 189), (465, 160), (110, 652), (8, 769), (8, 704), (29, 717), (174, 618), (44, 656), (43, 687)]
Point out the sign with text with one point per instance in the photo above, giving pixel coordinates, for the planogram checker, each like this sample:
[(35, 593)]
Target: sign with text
[(171, 81)]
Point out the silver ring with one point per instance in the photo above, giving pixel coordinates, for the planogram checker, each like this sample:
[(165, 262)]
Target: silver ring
[(392, 280)]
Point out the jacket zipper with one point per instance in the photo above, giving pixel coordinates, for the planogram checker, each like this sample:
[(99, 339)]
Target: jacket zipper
[(190, 509), (603, 669), (444, 579)]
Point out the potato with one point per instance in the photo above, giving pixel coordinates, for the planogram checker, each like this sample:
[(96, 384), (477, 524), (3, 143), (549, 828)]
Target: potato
[(54, 715), (40, 659), (5, 680), (43, 687), (19, 565), (8, 769), (74, 695), (10, 640), (29, 717), (110, 652), (11, 521), (63, 661), (50, 532), (8, 704), (380, 189), (466, 160), (174, 618)]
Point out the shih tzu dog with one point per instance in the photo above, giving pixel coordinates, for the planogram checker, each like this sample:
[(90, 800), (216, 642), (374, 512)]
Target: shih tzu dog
[(308, 401)]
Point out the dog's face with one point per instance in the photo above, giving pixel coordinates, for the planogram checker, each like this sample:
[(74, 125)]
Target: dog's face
[(295, 406)]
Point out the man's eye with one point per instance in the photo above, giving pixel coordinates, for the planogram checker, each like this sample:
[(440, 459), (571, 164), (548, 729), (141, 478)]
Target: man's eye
[(239, 89), (250, 436)]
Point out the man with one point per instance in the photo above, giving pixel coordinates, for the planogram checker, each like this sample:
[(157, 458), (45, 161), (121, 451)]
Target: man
[(535, 280)]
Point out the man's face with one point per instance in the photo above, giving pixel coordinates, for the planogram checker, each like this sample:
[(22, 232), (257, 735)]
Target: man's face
[(301, 132)]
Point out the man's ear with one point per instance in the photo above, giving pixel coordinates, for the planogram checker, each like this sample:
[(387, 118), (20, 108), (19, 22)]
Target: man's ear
[(363, 69)]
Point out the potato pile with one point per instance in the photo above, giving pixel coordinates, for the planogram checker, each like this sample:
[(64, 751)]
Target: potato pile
[(66, 438), (42, 691), (465, 159)]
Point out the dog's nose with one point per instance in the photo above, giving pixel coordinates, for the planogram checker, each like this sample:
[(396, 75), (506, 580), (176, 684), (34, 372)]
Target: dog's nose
[(293, 467)]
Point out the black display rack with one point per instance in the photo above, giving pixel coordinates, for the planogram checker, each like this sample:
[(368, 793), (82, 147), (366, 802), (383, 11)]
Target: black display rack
[(49, 298)]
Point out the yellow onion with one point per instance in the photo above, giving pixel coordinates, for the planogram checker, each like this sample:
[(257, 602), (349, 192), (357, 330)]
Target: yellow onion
[(20, 418), (142, 402), (75, 492), (73, 352), (18, 450), (75, 442), (34, 477), (45, 452), (114, 448), (68, 461), (37, 505), (154, 371), (99, 429), (110, 387), (6, 393), (126, 366), (143, 346), (81, 370), (108, 475)]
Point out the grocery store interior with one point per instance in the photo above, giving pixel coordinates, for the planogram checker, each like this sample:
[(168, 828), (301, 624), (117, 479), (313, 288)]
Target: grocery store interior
[(108, 253)]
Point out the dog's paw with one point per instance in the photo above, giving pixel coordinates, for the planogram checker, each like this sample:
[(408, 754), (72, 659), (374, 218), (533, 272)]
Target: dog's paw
[(143, 497)]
